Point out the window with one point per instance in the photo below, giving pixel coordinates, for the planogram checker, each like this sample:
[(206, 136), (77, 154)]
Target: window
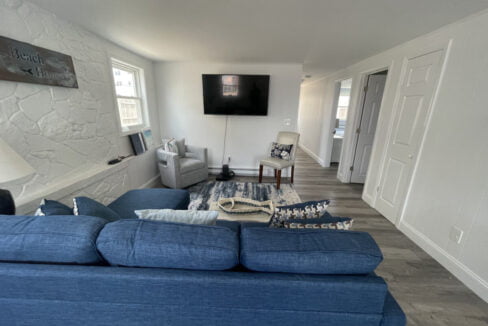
[(129, 94)]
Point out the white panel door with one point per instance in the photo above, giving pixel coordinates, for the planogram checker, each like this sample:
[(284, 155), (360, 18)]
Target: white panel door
[(415, 100), (367, 127)]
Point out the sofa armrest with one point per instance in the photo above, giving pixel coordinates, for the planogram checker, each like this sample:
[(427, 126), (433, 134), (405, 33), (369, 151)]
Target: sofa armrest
[(199, 153), (168, 159)]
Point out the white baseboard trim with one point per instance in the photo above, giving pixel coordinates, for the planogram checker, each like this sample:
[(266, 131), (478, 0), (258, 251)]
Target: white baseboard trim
[(312, 154), (461, 271), (152, 183)]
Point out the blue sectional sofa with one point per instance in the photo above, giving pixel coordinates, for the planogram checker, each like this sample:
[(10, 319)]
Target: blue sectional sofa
[(84, 270)]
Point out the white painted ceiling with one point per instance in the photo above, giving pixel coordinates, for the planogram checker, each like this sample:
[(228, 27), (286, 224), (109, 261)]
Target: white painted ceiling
[(324, 35)]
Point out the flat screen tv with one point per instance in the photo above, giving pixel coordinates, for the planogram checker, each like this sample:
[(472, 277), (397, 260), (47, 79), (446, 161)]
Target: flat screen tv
[(235, 94)]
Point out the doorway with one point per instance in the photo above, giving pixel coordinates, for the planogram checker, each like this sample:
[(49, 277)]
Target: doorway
[(343, 99), (365, 132)]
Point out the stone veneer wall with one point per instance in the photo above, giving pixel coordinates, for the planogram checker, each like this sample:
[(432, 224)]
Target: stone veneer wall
[(61, 131)]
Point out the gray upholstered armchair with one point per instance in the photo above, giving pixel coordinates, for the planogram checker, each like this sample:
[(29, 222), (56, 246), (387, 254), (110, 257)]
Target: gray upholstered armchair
[(181, 172)]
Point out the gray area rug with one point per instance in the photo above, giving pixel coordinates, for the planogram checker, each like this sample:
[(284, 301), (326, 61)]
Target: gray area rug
[(202, 194)]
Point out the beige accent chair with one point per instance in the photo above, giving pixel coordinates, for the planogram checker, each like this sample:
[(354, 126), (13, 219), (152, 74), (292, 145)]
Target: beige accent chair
[(286, 138)]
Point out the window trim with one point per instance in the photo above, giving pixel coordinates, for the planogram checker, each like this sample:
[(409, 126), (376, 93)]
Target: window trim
[(140, 92)]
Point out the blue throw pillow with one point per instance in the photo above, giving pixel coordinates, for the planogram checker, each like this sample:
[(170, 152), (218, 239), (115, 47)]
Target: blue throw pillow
[(90, 207), (53, 207)]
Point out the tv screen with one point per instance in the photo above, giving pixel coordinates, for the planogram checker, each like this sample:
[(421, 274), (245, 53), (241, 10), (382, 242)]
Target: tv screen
[(235, 94)]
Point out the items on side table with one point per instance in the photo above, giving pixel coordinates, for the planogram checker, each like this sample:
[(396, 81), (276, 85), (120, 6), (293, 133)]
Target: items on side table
[(181, 165), (281, 156)]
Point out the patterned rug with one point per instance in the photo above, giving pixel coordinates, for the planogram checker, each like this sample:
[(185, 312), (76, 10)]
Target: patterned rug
[(202, 194)]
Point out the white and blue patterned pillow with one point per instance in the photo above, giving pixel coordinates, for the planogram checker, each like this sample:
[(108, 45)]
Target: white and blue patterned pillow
[(329, 222), (306, 210), (281, 151)]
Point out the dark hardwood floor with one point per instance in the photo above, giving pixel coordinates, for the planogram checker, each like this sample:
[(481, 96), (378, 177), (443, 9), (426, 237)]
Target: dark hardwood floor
[(427, 292)]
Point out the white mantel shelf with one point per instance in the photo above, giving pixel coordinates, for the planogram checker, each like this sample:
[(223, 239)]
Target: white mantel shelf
[(69, 184)]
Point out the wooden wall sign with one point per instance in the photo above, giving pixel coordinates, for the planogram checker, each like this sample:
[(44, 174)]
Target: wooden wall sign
[(23, 62)]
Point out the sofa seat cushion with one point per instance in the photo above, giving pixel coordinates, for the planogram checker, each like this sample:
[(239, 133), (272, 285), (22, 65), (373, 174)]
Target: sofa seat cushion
[(50, 239), (195, 297), (190, 164), (142, 243), (153, 198), (308, 251)]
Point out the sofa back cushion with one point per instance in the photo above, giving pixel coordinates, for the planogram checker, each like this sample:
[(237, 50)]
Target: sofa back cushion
[(50, 239), (141, 243), (150, 198), (308, 251)]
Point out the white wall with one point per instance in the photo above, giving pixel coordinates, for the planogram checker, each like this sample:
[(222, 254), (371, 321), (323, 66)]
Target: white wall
[(248, 137), (450, 184), (65, 132)]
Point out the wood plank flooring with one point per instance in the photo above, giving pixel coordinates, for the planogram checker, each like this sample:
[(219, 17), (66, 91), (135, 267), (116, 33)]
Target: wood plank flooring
[(427, 292)]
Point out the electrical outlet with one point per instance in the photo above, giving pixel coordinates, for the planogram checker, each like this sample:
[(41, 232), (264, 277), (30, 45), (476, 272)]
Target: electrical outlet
[(287, 122), (456, 234)]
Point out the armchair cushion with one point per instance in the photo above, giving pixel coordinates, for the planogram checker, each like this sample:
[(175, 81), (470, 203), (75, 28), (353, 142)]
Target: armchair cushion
[(190, 164), (180, 143), (276, 163), (196, 152)]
